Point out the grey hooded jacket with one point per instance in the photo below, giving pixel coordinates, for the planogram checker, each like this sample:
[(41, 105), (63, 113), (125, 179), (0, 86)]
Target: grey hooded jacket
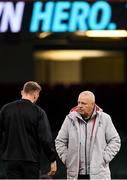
[(105, 144)]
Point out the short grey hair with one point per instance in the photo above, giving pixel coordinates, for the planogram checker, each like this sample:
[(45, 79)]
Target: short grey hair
[(89, 94)]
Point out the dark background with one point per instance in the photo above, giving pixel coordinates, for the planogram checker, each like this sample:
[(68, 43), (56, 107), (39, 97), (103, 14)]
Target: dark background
[(17, 67), (59, 99)]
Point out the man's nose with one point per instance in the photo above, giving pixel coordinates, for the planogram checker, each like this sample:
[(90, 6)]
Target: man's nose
[(79, 105)]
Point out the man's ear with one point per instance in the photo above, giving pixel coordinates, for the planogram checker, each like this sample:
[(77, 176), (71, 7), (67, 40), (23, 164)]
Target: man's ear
[(22, 92)]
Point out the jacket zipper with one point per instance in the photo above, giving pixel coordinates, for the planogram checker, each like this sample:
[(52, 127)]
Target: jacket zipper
[(86, 148)]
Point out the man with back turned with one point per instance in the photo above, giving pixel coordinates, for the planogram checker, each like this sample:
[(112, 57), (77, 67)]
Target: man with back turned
[(24, 131)]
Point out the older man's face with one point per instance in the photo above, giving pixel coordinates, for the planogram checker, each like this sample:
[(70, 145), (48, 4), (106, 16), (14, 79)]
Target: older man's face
[(85, 105)]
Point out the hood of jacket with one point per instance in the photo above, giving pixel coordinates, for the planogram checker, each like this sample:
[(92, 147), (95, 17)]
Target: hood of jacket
[(74, 112)]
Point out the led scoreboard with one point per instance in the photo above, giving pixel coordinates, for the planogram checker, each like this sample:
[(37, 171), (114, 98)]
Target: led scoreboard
[(62, 16)]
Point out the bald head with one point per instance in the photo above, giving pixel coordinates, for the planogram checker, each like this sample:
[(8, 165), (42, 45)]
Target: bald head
[(86, 103), (89, 95)]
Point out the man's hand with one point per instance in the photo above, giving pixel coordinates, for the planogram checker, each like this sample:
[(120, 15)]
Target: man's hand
[(53, 169)]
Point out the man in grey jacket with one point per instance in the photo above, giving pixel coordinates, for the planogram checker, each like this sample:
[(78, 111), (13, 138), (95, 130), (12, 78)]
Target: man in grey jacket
[(87, 140)]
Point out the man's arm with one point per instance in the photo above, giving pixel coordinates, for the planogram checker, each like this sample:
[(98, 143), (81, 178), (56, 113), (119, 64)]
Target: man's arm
[(61, 141), (113, 141), (45, 137), (1, 129)]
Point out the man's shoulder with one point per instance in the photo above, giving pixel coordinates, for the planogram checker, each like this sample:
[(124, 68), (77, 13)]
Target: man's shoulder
[(104, 114), (73, 115), (40, 109), (105, 117), (10, 104)]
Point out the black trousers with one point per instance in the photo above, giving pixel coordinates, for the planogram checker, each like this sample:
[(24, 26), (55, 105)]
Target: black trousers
[(21, 170), (83, 176)]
